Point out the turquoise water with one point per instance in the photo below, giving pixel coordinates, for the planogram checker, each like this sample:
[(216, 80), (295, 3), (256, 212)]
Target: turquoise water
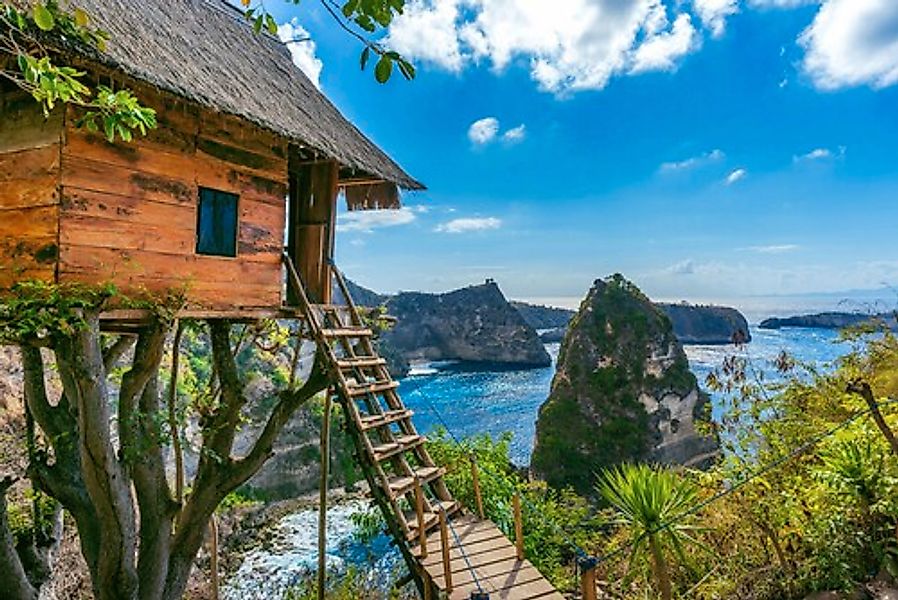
[(499, 400)]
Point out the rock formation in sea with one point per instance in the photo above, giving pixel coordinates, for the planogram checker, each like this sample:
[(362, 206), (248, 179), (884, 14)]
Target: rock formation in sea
[(474, 324), (622, 391), (704, 324), (831, 320)]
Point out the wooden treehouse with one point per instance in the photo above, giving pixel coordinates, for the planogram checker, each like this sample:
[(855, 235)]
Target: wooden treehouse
[(232, 201)]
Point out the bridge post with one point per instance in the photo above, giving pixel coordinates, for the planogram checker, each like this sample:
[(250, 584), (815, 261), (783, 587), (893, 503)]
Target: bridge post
[(588, 577), (478, 498), (518, 526), (419, 509), (444, 538)]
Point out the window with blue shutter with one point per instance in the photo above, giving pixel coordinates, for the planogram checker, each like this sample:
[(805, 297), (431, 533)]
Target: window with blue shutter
[(216, 225)]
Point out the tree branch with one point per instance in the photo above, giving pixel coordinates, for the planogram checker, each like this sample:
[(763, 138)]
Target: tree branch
[(287, 405), (862, 389)]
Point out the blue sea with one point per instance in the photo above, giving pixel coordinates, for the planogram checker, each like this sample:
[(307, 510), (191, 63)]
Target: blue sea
[(468, 402)]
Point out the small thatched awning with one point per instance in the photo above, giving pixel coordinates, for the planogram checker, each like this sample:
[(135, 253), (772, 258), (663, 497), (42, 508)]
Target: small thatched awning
[(206, 52), (372, 196)]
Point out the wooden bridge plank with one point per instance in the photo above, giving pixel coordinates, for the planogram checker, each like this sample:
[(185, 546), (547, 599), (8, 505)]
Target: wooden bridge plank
[(492, 556)]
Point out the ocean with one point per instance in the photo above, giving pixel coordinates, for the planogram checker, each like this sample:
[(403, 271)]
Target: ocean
[(496, 400)]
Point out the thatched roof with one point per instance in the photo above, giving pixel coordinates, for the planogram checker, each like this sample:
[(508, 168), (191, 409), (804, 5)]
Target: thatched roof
[(206, 52)]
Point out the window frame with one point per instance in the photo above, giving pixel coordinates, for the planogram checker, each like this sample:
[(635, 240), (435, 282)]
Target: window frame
[(204, 194)]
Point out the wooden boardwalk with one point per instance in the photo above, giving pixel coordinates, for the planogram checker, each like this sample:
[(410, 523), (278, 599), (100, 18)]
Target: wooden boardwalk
[(490, 556)]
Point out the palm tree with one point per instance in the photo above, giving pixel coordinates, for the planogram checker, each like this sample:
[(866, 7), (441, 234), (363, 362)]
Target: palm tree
[(652, 503)]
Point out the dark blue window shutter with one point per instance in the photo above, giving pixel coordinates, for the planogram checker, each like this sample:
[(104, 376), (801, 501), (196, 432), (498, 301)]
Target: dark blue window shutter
[(216, 229)]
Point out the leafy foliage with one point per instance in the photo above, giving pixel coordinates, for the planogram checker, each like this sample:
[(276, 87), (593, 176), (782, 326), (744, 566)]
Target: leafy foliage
[(651, 503), (32, 36), (360, 19)]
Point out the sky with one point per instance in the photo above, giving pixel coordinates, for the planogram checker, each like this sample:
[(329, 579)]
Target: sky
[(734, 151)]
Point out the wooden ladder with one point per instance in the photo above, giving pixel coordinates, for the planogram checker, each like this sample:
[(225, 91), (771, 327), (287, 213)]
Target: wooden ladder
[(391, 452)]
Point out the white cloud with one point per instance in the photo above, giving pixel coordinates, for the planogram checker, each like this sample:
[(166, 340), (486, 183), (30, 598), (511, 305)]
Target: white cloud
[(851, 43), (464, 225), (515, 134), (816, 154), (736, 175), (302, 49), (366, 221), (483, 131), (714, 13), (774, 248), (569, 46), (693, 162), (661, 51)]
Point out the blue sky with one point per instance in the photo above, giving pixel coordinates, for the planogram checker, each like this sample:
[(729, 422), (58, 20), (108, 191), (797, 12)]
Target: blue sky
[(710, 150)]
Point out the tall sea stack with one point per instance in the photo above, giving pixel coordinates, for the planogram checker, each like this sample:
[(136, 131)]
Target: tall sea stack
[(622, 392)]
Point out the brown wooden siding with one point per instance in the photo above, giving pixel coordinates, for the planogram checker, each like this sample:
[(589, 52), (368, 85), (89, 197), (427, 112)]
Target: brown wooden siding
[(29, 186), (129, 211)]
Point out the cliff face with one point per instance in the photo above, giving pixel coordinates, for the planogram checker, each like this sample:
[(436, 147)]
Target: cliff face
[(544, 317), (474, 324), (622, 391), (706, 324)]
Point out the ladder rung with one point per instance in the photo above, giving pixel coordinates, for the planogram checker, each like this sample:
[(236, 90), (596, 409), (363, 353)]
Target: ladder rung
[(388, 418), (401, 484), (431, 519), (403, 443), (361, 362), (363, 389), (349, 332)]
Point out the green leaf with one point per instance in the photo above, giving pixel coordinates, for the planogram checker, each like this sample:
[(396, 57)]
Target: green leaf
[(81, 18), (383, 69), (271, 24), (43, 18), (257, 24), (366, 54), (407, 69)]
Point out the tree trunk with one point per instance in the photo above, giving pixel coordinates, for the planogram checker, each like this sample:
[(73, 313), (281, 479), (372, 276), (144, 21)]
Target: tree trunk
[(15, 583), (659, 566)]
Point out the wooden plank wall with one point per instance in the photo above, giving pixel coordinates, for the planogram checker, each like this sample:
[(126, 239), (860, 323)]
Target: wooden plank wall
[(29, 189), (129, 211)]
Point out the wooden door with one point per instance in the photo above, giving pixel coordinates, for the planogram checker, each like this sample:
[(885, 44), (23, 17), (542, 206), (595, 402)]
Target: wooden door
[(310, 226)]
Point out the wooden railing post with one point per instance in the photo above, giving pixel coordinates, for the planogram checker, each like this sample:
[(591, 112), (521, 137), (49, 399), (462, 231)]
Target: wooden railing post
[(518, 526), (213, 555), (419, 509), (444, 538), (475, 477), (588, 578), (428, 584)]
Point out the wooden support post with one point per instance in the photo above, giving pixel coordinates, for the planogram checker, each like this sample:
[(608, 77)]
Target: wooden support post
[(322, 495), (444, 538), (588, 578), (428, 585), (422, 525), (518, 526), (213, 555), (478, 498)]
